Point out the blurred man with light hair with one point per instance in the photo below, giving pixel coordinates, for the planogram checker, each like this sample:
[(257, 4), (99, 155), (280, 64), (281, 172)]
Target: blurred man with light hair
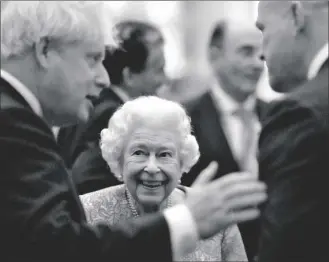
[(51, 59), (37, 42), (136, 68)]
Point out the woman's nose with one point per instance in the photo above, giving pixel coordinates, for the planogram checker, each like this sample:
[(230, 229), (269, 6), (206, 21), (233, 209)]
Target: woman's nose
[(152, 166)]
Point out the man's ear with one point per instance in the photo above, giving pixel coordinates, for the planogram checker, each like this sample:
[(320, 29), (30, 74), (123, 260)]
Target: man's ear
[(41, 51), (298, 15), (127, 76), (214, 53)]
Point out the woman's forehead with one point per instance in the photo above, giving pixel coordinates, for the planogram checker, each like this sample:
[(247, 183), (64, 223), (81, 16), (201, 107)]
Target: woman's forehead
[(144, 136)]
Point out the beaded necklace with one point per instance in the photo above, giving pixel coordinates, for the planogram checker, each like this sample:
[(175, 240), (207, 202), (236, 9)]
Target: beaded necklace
[(133, 208)]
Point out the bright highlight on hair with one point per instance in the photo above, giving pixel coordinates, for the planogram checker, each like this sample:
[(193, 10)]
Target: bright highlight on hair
[(24, 23)]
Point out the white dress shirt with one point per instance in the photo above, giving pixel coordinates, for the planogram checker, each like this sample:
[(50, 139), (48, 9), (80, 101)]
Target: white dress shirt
[(182, 227), (232, 124), (319, 59)]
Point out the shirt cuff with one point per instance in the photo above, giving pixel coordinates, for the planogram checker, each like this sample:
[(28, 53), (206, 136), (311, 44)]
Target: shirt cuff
[(183, 230)]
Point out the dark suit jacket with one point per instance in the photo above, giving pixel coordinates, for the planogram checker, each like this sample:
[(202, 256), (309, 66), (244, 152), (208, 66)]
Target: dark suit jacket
[(214, 145), (41, 215), (80, 146), (294, 164), (211, 137)]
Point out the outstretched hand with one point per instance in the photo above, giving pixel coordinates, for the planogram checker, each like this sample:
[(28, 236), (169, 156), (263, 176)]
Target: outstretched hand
[(231, 199), (206, 175)]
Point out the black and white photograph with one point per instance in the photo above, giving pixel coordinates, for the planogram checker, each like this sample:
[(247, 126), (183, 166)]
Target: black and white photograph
[(164, 131)]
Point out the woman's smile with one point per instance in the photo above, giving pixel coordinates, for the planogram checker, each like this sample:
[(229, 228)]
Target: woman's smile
[(152, 185)]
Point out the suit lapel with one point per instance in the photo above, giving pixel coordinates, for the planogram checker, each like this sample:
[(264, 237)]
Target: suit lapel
[(212, 133)]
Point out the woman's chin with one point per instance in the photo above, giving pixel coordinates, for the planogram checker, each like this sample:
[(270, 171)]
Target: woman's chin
[(150, 202), (151, 198), (151, 207)]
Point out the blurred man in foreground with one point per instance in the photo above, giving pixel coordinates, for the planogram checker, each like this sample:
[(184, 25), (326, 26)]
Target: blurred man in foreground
[(293, 146)]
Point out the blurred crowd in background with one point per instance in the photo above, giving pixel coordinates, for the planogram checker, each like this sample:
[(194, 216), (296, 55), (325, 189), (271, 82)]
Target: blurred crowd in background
[(186, 39)]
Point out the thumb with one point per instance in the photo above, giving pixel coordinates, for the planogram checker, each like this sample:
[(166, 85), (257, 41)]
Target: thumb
[(206, 175)]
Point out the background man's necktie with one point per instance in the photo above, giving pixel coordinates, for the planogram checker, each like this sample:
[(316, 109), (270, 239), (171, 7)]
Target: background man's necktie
[(249, 140)]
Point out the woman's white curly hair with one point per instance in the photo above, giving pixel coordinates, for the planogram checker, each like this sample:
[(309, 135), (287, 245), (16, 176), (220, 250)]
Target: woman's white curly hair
[(146, 111)]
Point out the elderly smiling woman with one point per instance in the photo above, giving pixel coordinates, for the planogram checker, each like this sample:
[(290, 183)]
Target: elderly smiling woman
[(148, 145)]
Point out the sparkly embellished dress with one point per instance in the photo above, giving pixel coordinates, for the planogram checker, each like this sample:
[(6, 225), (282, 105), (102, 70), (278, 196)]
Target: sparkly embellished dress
[(112, 206)]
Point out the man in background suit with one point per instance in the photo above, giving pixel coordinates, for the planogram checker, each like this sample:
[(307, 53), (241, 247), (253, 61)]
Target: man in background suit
[(51, 56), (225, 119), (235, 56), (293, 146), (135, 68)]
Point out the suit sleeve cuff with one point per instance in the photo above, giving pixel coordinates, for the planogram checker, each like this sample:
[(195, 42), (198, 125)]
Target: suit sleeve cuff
[(183, 230)]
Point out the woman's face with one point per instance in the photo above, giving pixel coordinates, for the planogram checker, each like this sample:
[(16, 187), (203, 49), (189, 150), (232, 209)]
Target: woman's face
[(151, 165)]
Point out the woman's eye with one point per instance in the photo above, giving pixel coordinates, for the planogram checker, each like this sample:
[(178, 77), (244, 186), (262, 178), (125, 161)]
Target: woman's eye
[(139, 153), (165, 154)]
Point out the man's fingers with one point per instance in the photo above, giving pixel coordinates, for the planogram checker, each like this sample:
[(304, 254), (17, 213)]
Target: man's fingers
[(241, 190), (248, 201), (232, 178), (245, 215), (206, 175), (235, 217)]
